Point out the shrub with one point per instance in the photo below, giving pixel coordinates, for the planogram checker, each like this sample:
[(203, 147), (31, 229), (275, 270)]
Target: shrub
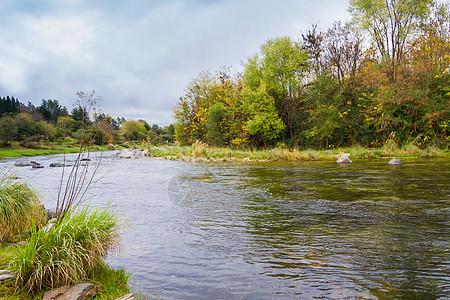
[(19, 205), (68, 252)]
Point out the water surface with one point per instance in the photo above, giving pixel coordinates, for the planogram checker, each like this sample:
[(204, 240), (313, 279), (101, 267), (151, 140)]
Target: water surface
[(275, 230)]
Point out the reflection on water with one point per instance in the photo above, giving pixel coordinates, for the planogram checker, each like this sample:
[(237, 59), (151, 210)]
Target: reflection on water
[(276, 230)]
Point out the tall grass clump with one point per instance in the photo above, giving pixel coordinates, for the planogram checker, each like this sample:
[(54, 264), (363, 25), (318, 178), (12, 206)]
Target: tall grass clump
[(19, 205), (68, 252)]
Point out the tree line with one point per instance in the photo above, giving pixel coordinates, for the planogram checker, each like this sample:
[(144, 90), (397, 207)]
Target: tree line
[(383, 75), (50, 121)]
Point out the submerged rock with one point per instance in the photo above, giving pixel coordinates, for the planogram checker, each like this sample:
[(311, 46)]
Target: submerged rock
[(28, 163), (395, 162), (344, 158)]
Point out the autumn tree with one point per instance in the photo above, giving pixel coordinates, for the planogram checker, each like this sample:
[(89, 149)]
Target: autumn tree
[(392, 25)]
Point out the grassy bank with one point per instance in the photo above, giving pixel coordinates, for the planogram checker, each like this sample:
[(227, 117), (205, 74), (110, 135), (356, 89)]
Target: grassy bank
[(17, 150), (200, 152), (71, 251)]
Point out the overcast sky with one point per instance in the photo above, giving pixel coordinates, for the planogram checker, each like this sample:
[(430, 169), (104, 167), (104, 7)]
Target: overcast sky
[(139, 55)]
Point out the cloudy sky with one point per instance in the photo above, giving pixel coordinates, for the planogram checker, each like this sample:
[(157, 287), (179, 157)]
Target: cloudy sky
[(139, 55)]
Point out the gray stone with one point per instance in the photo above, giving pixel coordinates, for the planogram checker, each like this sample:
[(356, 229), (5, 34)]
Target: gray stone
[(127, 297), (22, 163), (56, 165), (55, 293), (395, 162), (83, 291), (6, 275), (344, 158)]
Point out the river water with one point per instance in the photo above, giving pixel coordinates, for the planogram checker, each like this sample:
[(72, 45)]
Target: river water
[(273, 230)]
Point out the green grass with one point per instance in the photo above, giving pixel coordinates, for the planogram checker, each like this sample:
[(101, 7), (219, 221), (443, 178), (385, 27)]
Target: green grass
[(16, 150)]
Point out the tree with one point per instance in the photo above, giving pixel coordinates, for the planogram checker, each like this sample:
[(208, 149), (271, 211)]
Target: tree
[(51, 110), (392, 25), (216, 125), (324, 99), (133, 130), (342, 51), (279, 72), (9, 105), (263, 121), (8, 129)]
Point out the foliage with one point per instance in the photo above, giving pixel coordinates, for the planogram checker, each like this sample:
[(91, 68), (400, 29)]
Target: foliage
[(19, 206), (51, 110), (278, 74), (67, 253), (133, 130)]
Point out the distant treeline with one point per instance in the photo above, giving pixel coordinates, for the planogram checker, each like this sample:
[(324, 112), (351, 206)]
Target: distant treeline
[(334, 88), (50, 121)]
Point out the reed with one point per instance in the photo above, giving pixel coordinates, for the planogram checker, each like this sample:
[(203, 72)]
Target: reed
[(68, 252), (19, 206)]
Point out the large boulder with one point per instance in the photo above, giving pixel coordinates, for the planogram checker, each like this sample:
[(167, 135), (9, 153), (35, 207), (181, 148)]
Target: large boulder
[(83, 291), (395, 162), (344, 158)]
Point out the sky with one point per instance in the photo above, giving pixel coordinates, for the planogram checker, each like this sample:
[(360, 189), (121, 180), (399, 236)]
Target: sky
[(139, 55)]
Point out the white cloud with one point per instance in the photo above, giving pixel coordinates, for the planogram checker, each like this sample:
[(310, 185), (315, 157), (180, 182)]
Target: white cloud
[(139, 55)]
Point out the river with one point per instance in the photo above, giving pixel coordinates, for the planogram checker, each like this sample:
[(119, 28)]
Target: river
[(271, 230)]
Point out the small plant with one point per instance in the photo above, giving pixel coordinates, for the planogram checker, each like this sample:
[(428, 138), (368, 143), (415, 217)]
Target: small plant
[(68, 252), (19, 205)]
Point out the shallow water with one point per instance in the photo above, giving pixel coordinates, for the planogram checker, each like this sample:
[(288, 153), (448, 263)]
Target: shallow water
[(274, 230)]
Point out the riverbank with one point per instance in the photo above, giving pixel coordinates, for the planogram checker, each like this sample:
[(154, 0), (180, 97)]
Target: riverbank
[(16, 150), (201, 152)]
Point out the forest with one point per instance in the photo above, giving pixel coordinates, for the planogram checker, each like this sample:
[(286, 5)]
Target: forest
[(51, 122), (382, 76)]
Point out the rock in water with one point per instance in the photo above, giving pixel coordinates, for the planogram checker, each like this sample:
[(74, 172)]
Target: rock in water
[(344, 158), (56, 165), (395, 162)]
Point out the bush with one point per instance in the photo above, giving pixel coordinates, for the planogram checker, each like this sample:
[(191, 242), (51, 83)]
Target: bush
[(19, 206), (68, 252)]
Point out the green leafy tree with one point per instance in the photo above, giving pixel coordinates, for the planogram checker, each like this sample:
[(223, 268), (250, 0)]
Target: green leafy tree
[(280, 71), (8, 129), (217, 125), (263, 121), (324, 99)]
